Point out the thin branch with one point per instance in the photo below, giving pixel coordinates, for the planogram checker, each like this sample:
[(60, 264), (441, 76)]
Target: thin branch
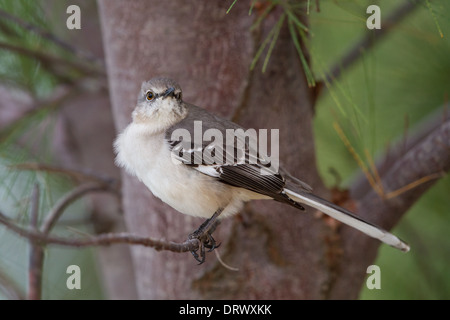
[(371, 38), (56, 100), (39, 238), (50, 61), (68, 199), (101, 240), (35, 207), (429, 157), (361, 186), (77, 175), (36, 257)]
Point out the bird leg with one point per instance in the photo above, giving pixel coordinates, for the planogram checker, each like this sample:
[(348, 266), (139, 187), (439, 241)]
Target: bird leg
[(204, 235)]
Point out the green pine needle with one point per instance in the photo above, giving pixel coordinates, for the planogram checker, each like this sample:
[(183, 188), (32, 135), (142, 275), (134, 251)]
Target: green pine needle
[(294, 19), (251, 7), (231, 6), (435, 18), (277, 29), (262, 47), (263, 15), (306, 68)]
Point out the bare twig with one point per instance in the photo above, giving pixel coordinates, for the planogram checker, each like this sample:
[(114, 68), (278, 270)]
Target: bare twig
[(34, 217), (36, 258), (69, 198), (424, 129), (101, 240), (77, 175), (371, 38), (50, 61), (59, 95), (38, 238), (429, 157)]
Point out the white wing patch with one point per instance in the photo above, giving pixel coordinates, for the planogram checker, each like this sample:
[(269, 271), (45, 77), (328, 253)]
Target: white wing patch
[(212, 171)]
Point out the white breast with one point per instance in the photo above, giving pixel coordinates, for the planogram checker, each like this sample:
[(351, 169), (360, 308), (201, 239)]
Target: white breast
[(147, 156)]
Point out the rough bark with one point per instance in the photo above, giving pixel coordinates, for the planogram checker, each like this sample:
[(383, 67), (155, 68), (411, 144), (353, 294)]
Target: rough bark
[(279, 252)]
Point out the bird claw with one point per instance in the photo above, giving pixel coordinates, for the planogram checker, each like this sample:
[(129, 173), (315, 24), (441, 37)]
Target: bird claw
[(206, 241), (204, 236)]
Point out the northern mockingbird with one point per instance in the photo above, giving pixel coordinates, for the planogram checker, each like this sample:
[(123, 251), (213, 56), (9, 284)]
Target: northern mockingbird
[(190, 175)]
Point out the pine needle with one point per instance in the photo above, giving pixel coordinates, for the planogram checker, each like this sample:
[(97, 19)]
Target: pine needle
[(306, 68), (294, 19), (357, 158), (435, 18), (251, 7), (274, 40), (262, 47), (262, 16), (231, 6)]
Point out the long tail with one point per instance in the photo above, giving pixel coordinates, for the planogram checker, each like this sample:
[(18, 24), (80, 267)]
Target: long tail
[(348, 218)]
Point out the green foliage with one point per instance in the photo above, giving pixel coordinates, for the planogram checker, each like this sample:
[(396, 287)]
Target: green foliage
[(430, 8), (26, 66), (392, 88), (423, 272), (291, 10), (234, 2), (18, 69)]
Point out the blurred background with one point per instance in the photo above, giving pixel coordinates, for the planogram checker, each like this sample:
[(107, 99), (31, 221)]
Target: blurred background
[(53, 82)]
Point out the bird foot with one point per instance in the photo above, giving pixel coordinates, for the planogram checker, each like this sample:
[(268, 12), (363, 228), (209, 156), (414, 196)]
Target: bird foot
[(206, 241)]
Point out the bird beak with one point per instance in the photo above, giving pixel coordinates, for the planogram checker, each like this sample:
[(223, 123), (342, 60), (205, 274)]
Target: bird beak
[(169, 92)]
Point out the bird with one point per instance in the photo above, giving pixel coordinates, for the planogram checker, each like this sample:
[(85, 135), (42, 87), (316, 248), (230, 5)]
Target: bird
[(211, 178)]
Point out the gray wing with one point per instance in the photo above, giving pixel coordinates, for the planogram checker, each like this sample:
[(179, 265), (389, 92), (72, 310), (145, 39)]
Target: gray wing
[(237, 163)]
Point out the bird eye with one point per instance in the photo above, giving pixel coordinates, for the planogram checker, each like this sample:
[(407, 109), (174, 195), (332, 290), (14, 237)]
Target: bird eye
[(150, 96)]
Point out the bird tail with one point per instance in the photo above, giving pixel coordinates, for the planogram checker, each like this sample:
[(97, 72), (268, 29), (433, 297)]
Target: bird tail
[(348, 218)]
